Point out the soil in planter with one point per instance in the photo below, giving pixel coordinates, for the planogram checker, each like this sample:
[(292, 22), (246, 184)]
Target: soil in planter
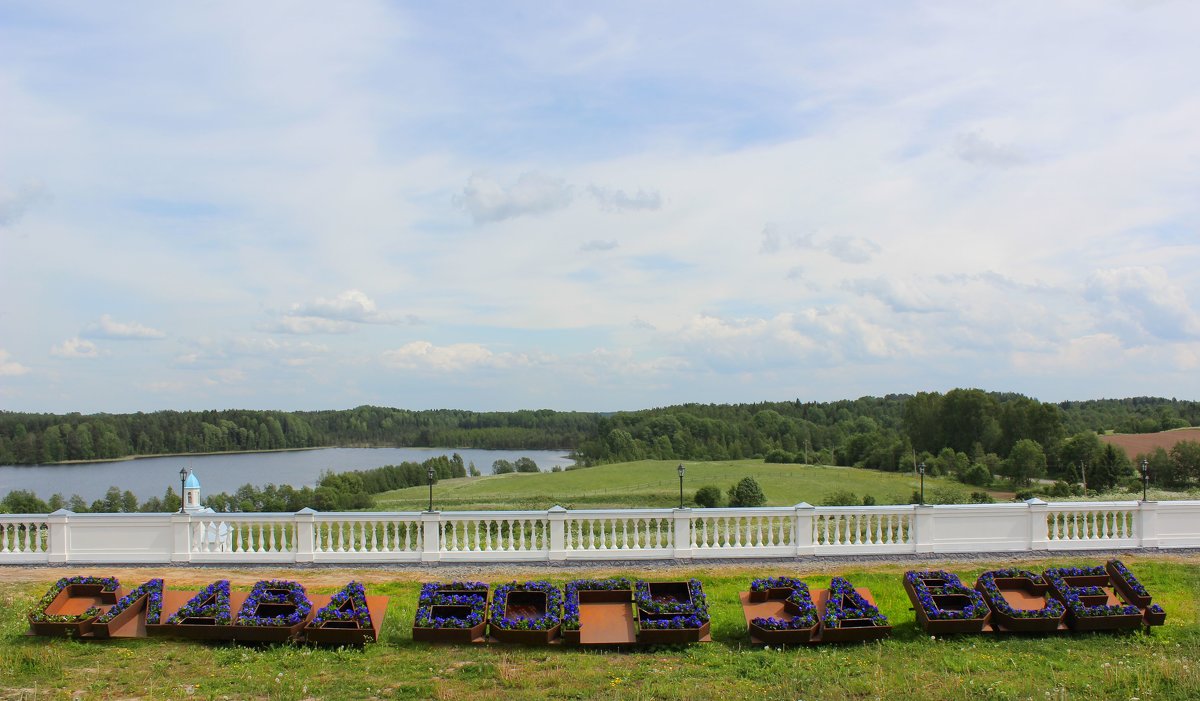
[(670, 592), (1020, 594), (273, 610), (525, 605)]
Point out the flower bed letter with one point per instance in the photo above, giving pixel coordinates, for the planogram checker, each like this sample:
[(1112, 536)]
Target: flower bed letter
[(943, 604), (529, 613), (452, 612), (1039, 611), (850, 617), (72, 604), (672, 612)]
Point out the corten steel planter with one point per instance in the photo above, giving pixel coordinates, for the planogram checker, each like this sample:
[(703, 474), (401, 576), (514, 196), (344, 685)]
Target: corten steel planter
[(672, 636), (264, 634), (1026, 595), (196, 628), (954, 602), (1155, 618), (773, 603), (849, 630), (1139, 600), (784, 637), (346, 632), (74, 600), (451, 635), (606, 617), (1089, 623), (757, 597), (525, 605), (129, 623), (671, 592)]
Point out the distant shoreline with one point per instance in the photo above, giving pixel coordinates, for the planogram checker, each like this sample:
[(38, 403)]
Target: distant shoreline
[(128, 458)]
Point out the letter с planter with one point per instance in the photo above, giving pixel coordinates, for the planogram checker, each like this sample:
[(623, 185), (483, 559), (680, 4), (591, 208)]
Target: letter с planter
[(451, 612), (849, 615), (72, 604), (599, 612), (672, 612), (529, 613), (347, 619), (780, 610), (944, 605), (1020, 601)]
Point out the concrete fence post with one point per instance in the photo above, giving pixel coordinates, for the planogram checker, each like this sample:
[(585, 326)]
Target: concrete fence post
[(306, 534), (802, 536), (59, 526), (1039, 530), (431, 536), (557, 518), (682, 519), (1147, 524), (181, 537), (924, 523)]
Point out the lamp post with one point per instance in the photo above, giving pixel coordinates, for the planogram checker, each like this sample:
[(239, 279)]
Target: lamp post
[(1145, 477), (431, 475), (921, 471), (183, 473), (680, 470)]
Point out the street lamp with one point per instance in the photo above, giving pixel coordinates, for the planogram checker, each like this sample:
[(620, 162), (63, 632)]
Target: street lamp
[(183, 473), (1145, 477), (680, 470), (431, 475), (921, 471)]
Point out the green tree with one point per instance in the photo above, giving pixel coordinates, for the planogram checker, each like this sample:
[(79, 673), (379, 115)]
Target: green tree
[(526, 465), (746, 493), (503, 467), (1185, 457), (708, 496), (1025, 462)]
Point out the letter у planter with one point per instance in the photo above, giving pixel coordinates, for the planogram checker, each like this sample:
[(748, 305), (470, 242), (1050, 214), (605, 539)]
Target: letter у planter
[(452, 612), (944, 605), (350, 617), (672, 613), (529, 613), (780, 610), (125, 619), (599, 612), (72, 605), (850, 615), (274, 611), (1020, 602)]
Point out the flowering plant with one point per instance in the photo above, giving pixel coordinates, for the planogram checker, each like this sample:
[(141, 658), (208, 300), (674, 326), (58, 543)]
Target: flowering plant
[(995, 599), (976, 608), (275, 592), (551, 617), (570, 619), (212, 602), (349, 604), (1131, 580), (1155, 608), (1074, 595), (805, 617), (672, 614), (846, 603), (39, 615), (674, 622), (152, 589), (474, 596)]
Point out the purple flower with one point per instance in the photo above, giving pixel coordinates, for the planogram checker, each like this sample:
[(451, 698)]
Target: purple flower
[(975, 609), (551, 617), (212, 602), (349, 604), (39, 615), (275, 592), (152, 589)]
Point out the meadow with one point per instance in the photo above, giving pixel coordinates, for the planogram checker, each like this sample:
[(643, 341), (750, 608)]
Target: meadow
[(1163, 664), (655, 484)]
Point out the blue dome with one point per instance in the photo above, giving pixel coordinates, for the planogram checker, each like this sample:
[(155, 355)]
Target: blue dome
[(192, 482)]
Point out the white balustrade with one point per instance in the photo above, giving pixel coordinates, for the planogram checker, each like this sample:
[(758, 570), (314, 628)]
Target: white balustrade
[(24, 538), (1083, 525), (599, 534)]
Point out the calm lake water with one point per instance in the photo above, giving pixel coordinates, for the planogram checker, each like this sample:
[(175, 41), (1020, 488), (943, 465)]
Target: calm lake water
[(147, 477)]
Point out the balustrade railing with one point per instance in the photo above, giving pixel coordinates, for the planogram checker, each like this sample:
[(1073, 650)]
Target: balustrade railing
[(600, 534)]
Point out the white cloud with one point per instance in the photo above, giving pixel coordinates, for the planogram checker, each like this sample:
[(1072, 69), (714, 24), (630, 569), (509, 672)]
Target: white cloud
[(1142, 303), (457, 357), (10, 368), (110, 328), (898, 295), (15, 203), (976, 150), (620, 201), (848, 249), (338, 315), (488, 200), (598, 245), (76, 348)]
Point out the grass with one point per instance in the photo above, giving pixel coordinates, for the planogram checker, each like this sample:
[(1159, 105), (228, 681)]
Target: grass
[(654, 484), (1164, 664)]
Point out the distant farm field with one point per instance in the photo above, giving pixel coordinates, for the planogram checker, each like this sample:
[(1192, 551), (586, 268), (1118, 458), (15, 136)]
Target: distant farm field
[(1135, 444)]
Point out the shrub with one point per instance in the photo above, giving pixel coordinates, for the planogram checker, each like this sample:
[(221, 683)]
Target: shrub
[(746, 493), (868, 500), (841, 497), (708, 497), (981, 498)]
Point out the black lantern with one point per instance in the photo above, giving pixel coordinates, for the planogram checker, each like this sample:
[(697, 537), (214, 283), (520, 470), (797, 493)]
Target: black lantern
[(431, 475), (183, 474), (921, 471), (680, 470), (1145, 477)]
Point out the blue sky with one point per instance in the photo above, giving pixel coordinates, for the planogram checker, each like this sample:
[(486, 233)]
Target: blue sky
[(521, 205)]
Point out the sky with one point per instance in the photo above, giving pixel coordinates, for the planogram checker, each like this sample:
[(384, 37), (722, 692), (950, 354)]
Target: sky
[(494, 206)]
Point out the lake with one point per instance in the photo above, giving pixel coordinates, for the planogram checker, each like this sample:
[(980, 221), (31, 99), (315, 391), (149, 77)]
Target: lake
[(148, 477)]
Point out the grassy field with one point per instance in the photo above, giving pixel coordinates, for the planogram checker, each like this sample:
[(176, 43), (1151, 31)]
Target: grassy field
[(655, 484), (1164, 664)]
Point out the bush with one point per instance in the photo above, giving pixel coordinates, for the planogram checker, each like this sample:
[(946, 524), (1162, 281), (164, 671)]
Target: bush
[(746, 493), (841, 497), (778, 456), (708, 497), (868, 500), (981, 498), (978, 475)]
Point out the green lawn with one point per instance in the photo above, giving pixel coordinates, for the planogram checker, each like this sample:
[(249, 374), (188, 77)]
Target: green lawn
[(1164, 664), (655, 484)]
